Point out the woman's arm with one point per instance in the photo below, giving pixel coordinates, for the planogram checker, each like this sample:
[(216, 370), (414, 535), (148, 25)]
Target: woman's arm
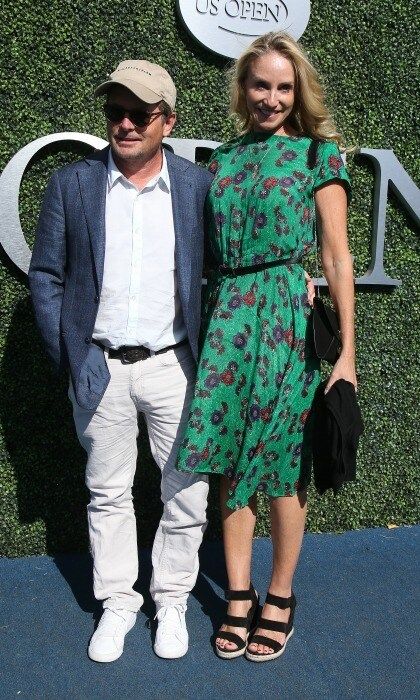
[(331, 207)]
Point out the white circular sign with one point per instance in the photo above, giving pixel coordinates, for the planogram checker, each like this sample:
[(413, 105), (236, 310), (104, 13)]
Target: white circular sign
[(227, 27)]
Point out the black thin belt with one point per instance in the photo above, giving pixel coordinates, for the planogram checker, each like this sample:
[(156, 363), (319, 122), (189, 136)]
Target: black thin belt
[(226, 271), (133, 353)]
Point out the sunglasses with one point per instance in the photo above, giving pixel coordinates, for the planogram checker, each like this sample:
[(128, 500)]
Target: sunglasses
[(116, 113)]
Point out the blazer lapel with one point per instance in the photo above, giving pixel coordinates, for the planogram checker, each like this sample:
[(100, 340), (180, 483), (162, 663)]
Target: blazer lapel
[(181, 189), (92, 176)]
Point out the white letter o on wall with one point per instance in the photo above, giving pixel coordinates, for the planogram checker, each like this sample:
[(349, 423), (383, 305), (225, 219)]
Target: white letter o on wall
[(12, 239)]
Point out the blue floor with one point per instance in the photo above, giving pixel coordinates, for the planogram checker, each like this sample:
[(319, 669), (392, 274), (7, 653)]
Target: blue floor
[(356, 628)]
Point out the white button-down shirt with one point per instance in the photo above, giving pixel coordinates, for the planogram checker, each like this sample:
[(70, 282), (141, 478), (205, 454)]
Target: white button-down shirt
[(139, 303)]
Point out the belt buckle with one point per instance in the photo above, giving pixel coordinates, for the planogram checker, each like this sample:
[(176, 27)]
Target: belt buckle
[(129, 355)]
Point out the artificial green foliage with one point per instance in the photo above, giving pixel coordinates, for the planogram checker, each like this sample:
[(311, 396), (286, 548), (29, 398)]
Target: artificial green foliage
[(52, 56)]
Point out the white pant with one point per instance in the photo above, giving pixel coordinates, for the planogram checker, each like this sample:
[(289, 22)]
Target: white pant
[(161, 387)]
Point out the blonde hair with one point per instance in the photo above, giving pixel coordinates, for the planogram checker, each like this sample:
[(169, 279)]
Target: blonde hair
[(310, 115)]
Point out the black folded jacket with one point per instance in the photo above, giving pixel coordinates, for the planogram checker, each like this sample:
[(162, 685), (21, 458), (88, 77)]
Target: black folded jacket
[(337, 427)]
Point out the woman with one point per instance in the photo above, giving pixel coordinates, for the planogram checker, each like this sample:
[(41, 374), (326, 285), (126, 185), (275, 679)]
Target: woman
[(250, 419)]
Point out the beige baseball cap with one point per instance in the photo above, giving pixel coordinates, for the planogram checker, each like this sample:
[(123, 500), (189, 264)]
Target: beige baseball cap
[(147, 81)]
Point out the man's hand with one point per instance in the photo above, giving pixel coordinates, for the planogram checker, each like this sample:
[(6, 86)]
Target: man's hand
[(310, 288)]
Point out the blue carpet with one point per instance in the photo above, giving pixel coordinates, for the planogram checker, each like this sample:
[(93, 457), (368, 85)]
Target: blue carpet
[(355, 635)]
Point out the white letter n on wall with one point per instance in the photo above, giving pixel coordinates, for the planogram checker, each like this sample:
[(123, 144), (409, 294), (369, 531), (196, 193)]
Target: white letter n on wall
[(388, 173)]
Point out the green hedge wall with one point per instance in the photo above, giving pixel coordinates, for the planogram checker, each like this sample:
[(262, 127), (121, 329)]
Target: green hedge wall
[(51, 59)]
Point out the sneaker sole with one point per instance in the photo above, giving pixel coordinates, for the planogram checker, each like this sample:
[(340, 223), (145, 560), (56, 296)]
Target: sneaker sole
[(104, 658), (170, 655)]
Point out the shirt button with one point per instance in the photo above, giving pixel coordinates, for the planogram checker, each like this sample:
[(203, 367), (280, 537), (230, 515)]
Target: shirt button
[(88, 341), (96, 299)]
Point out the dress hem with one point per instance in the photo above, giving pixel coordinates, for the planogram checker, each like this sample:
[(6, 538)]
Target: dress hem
[(236, 505)]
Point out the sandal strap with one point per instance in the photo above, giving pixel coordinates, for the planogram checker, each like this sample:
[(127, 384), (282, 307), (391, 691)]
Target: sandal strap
[(234, 621), (232, 637), (261, 639), (279, 602), (273, 625), (241, 595)]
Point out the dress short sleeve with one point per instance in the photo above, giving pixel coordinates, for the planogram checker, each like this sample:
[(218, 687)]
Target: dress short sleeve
[(330, 166)]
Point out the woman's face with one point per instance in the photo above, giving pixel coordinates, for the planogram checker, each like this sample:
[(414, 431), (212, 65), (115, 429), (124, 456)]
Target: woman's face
[(270, 93)]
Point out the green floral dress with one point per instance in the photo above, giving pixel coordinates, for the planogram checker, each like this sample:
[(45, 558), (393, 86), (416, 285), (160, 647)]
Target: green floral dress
[(257, 375)]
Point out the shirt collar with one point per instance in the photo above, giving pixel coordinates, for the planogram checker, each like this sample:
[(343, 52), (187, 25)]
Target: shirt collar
[(161, 178), (164, 173)]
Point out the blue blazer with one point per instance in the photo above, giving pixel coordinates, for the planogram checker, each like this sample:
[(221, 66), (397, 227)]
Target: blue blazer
[(66, 271)]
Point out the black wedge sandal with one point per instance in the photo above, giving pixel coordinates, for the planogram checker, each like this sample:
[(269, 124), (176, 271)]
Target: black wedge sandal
[(265, 624), (247, 622)]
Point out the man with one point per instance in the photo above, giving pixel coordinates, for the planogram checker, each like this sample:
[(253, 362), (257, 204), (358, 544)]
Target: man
[(115, 279)]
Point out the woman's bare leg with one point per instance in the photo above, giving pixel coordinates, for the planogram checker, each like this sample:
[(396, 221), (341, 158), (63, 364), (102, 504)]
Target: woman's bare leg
[(238, 530), (288, 515)]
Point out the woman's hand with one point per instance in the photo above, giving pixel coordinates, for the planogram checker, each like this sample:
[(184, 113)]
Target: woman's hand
[(344, 368), (310, 288)]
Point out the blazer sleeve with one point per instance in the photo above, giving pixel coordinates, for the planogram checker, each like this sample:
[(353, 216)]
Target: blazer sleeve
[(47, 271), (210, 262)]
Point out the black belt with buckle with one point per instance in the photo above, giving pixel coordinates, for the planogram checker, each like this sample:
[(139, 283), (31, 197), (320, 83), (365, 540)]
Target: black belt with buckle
[(226, 271), (134, 353)]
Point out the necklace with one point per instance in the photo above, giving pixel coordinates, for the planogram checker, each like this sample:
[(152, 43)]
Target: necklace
[(257, 166)]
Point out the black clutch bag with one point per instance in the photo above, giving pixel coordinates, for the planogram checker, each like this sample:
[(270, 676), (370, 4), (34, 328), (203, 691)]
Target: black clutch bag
[(325, 325), (326, 331)]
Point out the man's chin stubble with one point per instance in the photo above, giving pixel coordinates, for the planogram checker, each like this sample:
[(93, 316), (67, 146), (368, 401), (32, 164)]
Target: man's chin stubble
[(127, 155), (130, 156)]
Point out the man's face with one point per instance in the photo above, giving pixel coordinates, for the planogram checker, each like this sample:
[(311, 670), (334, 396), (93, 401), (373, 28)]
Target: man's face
[(130, 143)]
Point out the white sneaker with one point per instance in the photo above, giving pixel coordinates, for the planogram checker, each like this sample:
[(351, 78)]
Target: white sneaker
[(171, 640), (107, 642)]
